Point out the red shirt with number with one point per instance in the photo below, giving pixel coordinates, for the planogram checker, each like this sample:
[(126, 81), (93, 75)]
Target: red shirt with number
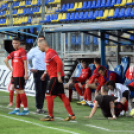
[(53, 63), (18, 57)]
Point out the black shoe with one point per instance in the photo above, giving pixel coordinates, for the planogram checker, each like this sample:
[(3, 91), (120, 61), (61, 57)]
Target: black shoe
[(40, 111)]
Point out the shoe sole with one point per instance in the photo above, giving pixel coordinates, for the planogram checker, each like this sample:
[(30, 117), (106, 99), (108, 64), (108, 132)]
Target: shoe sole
[(23, 114), (46, 120)]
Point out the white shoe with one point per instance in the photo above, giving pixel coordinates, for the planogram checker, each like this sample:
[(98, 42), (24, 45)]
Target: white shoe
[(122, 113)]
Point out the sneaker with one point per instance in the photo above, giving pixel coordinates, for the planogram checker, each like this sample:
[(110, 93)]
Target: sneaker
[(48, 118), (81, 102), (89, 103), (40, 111), (24, 112), (10, 104), (14, 112), (122, 113), (72, 117)]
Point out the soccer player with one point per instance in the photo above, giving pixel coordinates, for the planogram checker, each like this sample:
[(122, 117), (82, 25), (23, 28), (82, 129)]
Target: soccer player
[(121, 92), (91, 84), (109, 107), (20, 74), (78, 82), (11, 91), (54, 68)]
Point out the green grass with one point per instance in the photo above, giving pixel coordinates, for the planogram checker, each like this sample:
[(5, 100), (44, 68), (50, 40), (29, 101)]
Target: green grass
[(13, 124)]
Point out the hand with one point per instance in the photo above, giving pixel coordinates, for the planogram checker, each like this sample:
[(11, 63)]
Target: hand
[(60, 79), (112, 118), (33, 70), (42, 77), (26, 77)]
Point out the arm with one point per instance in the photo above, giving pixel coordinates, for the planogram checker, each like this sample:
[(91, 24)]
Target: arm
[(25, 66), (112, 110), (7, 64), (112, 77), (43, 76), (102, 82)]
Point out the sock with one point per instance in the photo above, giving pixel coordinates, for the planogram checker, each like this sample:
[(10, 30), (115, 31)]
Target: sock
[(18, 100), (25, 109), (88, 90), (66, 104), (11, 94), (50, 104), (85, 95), (78, 89), (17, 109), (23, 98), (70, 94), (81, 97)]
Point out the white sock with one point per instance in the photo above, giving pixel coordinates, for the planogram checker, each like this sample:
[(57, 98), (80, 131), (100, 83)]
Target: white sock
[(17, 108), (81, 97), (25, 109)]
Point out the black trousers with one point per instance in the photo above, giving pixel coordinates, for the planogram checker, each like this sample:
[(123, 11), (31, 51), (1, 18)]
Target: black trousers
[(40, 87)]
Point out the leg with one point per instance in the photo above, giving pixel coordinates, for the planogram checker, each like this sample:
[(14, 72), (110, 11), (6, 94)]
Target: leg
[(11, 94), (78, 87)]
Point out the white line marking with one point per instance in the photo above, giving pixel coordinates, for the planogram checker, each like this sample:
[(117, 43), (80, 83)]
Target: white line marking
[(36, 124), (109, 130)]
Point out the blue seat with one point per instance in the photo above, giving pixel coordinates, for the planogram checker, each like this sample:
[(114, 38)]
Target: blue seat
[(76, 16), (55, 17), (106, 36), (89, 5), (98, 4), (78, 70), (92, 68), (78, 40), (85, 16), (118, 2), (87, 40), (28, 21), (28, 3), (110, 3), (122, 13), (100, 13), (66, 8), (125, 65), (116, 13), (51, 17), (96, 41), (93, 4), (39, 3), (130, 3), (91, 15), (47, 20), (73, 40), (118, 70), (63, 7), (81, 16), (132, 12), (84, 7), (72, 16), (128, 12), (71, 6), (67, 17), (103, 3)]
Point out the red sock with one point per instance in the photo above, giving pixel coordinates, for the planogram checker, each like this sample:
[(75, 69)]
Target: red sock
[(78, 89), (85, 95), (70, 94), (88, 91), (50, 104), (18, 101), (23, 98), (66, 104), (11, 94)]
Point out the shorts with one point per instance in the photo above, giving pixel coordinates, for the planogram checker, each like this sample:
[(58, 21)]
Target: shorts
[(118, 108), (19, 82), (131, 88), (126, 94), (54, 87), (12, 80)]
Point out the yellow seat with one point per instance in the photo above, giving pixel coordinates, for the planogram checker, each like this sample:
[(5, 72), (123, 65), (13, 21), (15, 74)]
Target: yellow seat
[(129, 1), (75, 6), (79, 5), (105, 14), (59, 18), (22, 3), (34, 2), (111, 13), (63, 16), (123, 3)]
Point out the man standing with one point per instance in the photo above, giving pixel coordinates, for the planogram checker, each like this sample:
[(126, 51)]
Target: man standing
[(20, 74), (38, 68), (55, 87)]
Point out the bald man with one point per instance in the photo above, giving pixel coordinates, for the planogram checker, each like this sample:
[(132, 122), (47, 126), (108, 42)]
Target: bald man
[(54, 68)]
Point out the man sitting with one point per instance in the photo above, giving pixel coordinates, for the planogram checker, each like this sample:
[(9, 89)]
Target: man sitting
[(77, 82)]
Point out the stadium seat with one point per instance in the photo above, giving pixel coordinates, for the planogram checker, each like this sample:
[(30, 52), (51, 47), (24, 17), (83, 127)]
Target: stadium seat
[(73, 39), (81, 16), (132, 12), (34, 2), (129, 2), (116, 13), (78, 40), (111, 13), (28, 20), (16, 4), (78, 70), (105, 14), (22, 4), (67, 17), (110, 3), (63, 17), (85, 16), (20, 11), (93, 5), (122, 13), (73, 7), (79, 6), (123, 3), (103, 3), (87, 40), (96, 41), (58, 18), (62, 9), (117, 4), (89, 5), (28, 3), (125, 65), (91, 15), (92, 68), (76, 16), (66, 8), (54, 2), (98, 4), (128, 12), (100, 14), (84, 7), (118, 70), (72, 16), (47, 20)]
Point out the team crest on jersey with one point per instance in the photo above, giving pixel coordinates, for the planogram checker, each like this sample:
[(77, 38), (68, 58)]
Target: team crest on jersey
[(15, 54)]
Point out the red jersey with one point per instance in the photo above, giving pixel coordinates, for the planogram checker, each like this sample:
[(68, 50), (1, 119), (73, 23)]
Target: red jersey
[(95, 75), (53, 63), (85, 74), (17, 62), (130, 73)]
